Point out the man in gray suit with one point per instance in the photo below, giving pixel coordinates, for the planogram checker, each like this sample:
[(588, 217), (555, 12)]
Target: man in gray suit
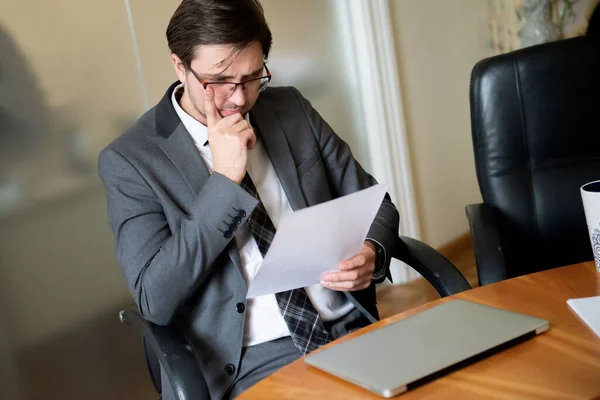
[(197, 186)]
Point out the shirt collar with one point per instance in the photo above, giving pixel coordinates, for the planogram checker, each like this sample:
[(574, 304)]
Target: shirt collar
[(196, 129)]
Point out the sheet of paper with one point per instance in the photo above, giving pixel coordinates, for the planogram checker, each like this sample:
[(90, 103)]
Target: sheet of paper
[(312, 241), (588, 309)]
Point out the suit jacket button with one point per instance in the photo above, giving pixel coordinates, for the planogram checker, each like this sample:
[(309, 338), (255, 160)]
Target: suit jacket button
[(240, 307), (229, 369), (228, 235), (241, 213), (237, 220), (233, 227)]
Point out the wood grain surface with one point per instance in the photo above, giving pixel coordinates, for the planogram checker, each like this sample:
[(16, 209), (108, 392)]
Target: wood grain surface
[(563, 363)]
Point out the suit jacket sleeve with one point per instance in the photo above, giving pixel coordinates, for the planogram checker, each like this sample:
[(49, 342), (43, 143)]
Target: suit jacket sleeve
[(164, 265), (346, 176)]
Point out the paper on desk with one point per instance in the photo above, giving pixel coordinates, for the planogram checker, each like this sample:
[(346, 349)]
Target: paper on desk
[(312, 241), (588, 309)]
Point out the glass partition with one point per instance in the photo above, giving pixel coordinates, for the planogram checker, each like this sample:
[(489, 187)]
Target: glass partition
[(73, 76)]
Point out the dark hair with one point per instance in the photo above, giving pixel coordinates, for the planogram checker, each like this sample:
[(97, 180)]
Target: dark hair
[(198, 22)]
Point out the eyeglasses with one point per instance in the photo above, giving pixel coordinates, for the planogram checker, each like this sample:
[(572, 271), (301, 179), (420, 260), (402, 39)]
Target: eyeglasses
[(224, 90)]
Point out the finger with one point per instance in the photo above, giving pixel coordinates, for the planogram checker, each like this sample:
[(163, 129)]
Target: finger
[(250, 138), (345, 276), (212, 114), (366, 255), (240, 126), (352, 263), (230, 121), (348, 285)]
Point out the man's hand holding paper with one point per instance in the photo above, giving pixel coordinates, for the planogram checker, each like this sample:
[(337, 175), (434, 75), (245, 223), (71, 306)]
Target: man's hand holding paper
[(322, 244), (355, 273)]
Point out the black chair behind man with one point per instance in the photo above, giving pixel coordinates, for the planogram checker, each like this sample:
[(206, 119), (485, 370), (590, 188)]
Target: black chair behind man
[(535, 116), (594, 22), (167, 346)]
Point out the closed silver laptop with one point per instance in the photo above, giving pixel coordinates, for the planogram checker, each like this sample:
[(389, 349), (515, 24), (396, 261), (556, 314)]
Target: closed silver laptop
[(417, 349)]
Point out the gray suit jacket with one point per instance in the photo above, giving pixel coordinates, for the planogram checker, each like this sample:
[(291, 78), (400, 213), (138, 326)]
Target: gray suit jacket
[(170, 216)]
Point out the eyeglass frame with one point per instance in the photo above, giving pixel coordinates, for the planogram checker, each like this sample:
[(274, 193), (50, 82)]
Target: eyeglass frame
[(205, 84)]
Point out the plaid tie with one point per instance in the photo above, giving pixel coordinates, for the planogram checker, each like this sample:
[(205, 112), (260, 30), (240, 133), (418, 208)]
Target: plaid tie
[(304, 322)]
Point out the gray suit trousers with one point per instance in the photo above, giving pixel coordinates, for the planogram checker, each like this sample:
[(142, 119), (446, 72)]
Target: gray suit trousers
[(260, 361)]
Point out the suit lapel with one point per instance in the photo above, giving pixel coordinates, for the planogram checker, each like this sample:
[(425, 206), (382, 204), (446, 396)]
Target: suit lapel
[(182, 152), (178, 144), (271, 134)]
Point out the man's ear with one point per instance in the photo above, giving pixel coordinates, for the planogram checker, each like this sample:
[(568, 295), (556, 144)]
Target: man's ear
[(179, 67)]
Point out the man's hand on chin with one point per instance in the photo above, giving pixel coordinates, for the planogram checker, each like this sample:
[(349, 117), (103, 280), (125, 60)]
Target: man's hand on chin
[(355, 273)]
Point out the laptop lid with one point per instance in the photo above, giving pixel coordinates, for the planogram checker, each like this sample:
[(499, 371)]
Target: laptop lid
[(406, 353)]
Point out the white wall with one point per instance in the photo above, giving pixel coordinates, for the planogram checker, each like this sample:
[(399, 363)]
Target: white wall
[(310, 51), (438, 42)]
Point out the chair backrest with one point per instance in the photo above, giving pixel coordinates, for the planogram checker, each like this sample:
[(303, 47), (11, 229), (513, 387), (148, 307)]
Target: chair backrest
[(594, 22), (535, 116)]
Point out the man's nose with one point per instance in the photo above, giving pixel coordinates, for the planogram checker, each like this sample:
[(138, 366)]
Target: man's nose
[(238, 97)]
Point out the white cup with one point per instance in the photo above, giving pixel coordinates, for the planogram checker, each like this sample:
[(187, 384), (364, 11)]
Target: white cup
[(590, 195)]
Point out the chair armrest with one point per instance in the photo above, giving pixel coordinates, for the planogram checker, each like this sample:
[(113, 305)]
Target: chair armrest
[(486, 243), (174, 354), (432, 265)]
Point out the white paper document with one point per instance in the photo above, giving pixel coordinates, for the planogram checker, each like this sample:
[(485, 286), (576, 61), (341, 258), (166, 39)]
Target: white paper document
[(588, 309), (314, 240)]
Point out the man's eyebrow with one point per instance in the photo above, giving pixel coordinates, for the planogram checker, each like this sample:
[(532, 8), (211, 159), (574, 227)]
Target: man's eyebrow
[(221, 77)]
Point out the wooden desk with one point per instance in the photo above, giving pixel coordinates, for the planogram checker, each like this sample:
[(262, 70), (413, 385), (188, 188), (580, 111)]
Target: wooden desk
[(563, 363)]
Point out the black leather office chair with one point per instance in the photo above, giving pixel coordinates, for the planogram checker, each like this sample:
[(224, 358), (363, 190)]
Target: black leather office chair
[(535, 116), (166, 346), (594, 22)]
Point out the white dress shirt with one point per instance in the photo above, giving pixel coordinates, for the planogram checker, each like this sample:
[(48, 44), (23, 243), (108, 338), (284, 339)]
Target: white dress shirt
[(263, 319)]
